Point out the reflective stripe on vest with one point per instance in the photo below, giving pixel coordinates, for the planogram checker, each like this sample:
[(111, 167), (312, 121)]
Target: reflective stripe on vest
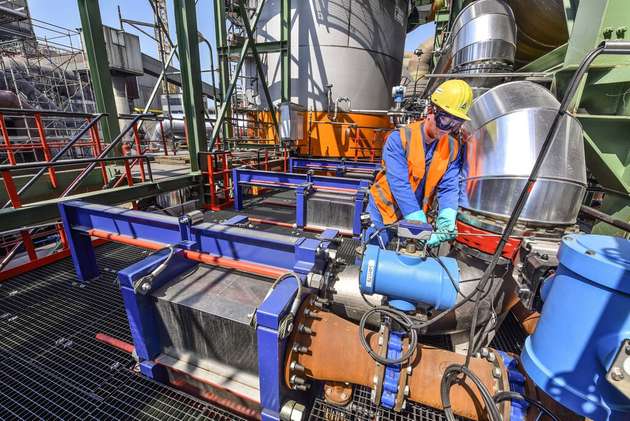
[(412, 138)]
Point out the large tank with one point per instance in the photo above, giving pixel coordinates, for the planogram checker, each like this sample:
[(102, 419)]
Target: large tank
[(542, 26), (354, 45), (509, 123), (483, 37)]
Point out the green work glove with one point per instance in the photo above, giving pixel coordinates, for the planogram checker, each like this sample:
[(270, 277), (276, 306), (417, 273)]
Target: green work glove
[(445, 226), (417, 216)]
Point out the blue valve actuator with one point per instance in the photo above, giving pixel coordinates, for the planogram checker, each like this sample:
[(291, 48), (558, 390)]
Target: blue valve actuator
[(409, 281)]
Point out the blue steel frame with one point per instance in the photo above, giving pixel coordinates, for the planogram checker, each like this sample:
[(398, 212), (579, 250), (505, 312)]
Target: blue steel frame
[(303, 184), (339, 166), (271, 348), (300, 255), (140, 308)]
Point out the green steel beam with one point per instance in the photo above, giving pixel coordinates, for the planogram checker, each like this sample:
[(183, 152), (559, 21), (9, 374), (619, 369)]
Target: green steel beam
[(37, 213), (224, 65), (285, 39), (259, 69), (188, 46), (220, 119), (547, 62), (94, 43)]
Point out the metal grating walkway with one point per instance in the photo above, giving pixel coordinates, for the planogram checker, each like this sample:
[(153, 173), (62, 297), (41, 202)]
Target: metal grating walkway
[(53, 368)]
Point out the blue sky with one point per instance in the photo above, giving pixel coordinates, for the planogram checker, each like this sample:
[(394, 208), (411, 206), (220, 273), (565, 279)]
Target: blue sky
[(65, 13)]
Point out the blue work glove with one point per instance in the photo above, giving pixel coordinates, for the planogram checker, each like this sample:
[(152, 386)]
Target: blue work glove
[(417, 216), (445, 226)]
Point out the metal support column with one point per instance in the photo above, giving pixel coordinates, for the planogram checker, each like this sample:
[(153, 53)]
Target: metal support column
[(224, 70), (187, 44), (285, 38), (230, 90), (259, 69), (99, 67)]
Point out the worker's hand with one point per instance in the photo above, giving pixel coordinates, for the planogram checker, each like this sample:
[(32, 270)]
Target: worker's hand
[(417, 216), (447, 230)]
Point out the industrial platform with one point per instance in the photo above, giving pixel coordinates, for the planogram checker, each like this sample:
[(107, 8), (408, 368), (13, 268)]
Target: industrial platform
[(54, 368)]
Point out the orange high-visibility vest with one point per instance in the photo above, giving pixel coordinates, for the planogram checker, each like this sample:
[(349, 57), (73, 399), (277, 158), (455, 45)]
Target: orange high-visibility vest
[(412, 138)]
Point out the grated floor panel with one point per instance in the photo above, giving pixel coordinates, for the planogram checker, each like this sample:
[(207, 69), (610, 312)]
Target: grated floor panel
[(53, 367)]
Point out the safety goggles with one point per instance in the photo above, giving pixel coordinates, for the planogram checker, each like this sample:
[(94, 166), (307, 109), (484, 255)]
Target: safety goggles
[(447, 122)]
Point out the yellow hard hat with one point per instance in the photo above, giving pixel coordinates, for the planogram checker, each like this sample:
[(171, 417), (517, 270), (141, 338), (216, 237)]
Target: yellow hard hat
[(455, 97)]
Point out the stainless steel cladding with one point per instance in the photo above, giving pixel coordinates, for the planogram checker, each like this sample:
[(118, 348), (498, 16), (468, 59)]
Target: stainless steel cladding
[(342, 49), (509, 123), (483, 35)]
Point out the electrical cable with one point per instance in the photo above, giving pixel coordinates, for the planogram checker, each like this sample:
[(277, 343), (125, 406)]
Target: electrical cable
[(508, 395), (448, 380), (448, 272), (143, 285), (298, 296), (403, 320)]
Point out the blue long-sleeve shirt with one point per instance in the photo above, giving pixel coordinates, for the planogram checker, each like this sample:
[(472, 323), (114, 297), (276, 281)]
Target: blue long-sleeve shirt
[(398, 177)]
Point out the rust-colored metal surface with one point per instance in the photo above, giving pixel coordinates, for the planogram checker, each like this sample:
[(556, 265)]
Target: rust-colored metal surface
[(541, 26), (338, 393), (326, 347)]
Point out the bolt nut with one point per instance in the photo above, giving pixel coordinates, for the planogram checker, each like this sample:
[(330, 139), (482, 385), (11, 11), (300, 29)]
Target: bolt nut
[(616, 374), (484, 352), (491, 357), (496, 372), (305, 329), (300, 349), (406, 390), (375, 379), (297, 380), (295, 366), (409, 370)]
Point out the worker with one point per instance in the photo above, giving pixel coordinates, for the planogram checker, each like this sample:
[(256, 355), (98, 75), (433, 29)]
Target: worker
[(420, 161)]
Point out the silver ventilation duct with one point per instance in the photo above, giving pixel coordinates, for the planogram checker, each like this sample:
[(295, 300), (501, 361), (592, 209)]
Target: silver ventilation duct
[(509, 123), (483, 37)]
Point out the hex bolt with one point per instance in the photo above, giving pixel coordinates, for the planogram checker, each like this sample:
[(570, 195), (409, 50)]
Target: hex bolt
[(406, 390), (295, 366), (317, 304), (297, 380), (409, 370), (496, 372), (616, 374), (309, 313), (305, 329), (375, 379), (302, 387), (484, 352), (300, 349), (491, 357), (404, 405)]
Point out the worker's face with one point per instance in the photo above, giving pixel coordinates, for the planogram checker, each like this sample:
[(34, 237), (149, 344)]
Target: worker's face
[(447, 123)]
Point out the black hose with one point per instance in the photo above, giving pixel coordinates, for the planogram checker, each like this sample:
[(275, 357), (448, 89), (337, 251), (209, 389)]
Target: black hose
[(448, 380), (504, 396), (403, 320), (448, 272)]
